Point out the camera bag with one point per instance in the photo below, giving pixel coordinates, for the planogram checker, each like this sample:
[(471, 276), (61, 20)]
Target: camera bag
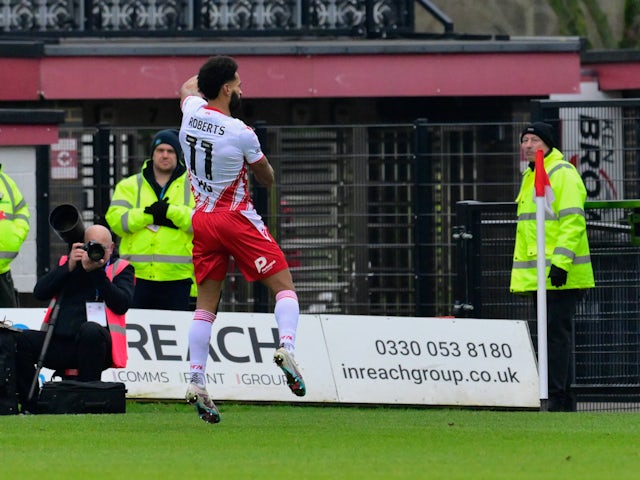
[(73, 396), (8, 393)]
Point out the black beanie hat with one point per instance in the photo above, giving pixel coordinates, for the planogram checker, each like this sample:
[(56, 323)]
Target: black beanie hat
[(542, 130), (169, 137)]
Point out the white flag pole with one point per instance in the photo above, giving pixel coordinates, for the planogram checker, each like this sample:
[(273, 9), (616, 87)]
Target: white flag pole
[(541, 264), (542, 305)]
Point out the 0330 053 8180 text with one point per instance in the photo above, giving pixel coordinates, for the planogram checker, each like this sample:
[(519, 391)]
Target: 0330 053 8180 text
[(436, 348)]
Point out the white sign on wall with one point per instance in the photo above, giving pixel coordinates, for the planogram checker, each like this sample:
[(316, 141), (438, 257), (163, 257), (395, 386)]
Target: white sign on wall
[(432, 361), (64, 159), (343, 358)]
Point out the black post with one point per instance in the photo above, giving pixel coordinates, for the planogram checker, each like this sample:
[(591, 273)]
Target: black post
[(636, 160), (466, 235), (423, 199), (305, 15), (199, 18), (101, 177), (370, 20), (260, 197), (43, 239)]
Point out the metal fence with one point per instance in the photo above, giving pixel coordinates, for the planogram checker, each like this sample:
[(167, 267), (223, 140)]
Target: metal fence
[(371, 220), (363, 212), (170, 18), (341, 210), (606, 356)]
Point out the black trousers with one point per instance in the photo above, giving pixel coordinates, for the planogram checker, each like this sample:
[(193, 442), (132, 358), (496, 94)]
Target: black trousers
[(168, 295), (561, 307), (8, 298), (89, 352)]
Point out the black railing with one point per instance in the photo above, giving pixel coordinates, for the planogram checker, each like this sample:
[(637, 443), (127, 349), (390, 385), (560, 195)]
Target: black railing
[(211, 18), (606, 327)]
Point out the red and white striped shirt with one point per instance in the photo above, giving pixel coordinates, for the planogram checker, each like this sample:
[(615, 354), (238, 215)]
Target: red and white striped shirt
[(217, 148)]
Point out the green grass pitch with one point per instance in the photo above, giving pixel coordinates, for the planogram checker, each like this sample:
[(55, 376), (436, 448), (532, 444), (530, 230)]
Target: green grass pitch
[(168, 441)]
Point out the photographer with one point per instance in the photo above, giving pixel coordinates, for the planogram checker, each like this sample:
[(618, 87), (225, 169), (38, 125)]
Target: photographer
[(94, 293)]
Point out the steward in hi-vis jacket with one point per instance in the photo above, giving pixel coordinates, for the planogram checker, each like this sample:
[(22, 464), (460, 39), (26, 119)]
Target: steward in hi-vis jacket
[(568, 261), (566, 243), (151, 212), (14, 228)]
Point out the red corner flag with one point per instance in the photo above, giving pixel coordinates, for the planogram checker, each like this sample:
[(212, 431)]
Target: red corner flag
[(542, 184)]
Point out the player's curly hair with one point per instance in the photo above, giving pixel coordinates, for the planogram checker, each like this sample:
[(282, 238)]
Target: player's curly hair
[(215, 72)]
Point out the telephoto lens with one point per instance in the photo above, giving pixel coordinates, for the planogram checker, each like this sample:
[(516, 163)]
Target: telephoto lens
[(94, 250)]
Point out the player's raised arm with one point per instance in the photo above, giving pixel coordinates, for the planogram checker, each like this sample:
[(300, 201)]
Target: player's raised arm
[(190, 87)]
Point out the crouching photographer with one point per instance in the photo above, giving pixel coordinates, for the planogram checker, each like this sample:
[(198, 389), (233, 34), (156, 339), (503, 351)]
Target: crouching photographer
[(84, 329)]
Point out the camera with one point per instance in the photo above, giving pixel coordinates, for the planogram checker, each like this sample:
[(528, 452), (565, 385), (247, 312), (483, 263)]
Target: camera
[(66, 222), (94, 250)]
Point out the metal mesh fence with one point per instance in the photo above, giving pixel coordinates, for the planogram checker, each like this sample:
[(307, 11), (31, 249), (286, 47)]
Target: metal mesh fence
[(369, 218), (607, 322)]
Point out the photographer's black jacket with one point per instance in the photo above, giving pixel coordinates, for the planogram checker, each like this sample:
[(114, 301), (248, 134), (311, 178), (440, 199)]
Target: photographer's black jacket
[(81, 287)]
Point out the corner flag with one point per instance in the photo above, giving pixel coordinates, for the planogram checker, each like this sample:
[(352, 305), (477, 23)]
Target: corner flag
[(543, 198), (542, 184)]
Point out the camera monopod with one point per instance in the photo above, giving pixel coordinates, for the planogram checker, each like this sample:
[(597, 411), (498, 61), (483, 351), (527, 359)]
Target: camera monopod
[(66, 222), (50, 325)]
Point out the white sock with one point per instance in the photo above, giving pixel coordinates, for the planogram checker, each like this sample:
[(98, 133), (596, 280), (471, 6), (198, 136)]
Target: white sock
[(199, 338), (287, 312)]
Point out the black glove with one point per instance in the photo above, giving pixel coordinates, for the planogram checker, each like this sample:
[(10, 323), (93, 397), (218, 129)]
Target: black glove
[(557, 276), (159, 211)]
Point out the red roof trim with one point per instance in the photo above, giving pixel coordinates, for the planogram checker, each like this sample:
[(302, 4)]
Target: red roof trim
[(16, 135), (617, 76), (313, 76), (20, 79)]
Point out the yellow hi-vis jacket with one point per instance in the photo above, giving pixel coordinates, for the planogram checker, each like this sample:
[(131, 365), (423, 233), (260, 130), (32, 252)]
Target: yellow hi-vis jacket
[(566, 243), (14, 221), (158, 253)]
